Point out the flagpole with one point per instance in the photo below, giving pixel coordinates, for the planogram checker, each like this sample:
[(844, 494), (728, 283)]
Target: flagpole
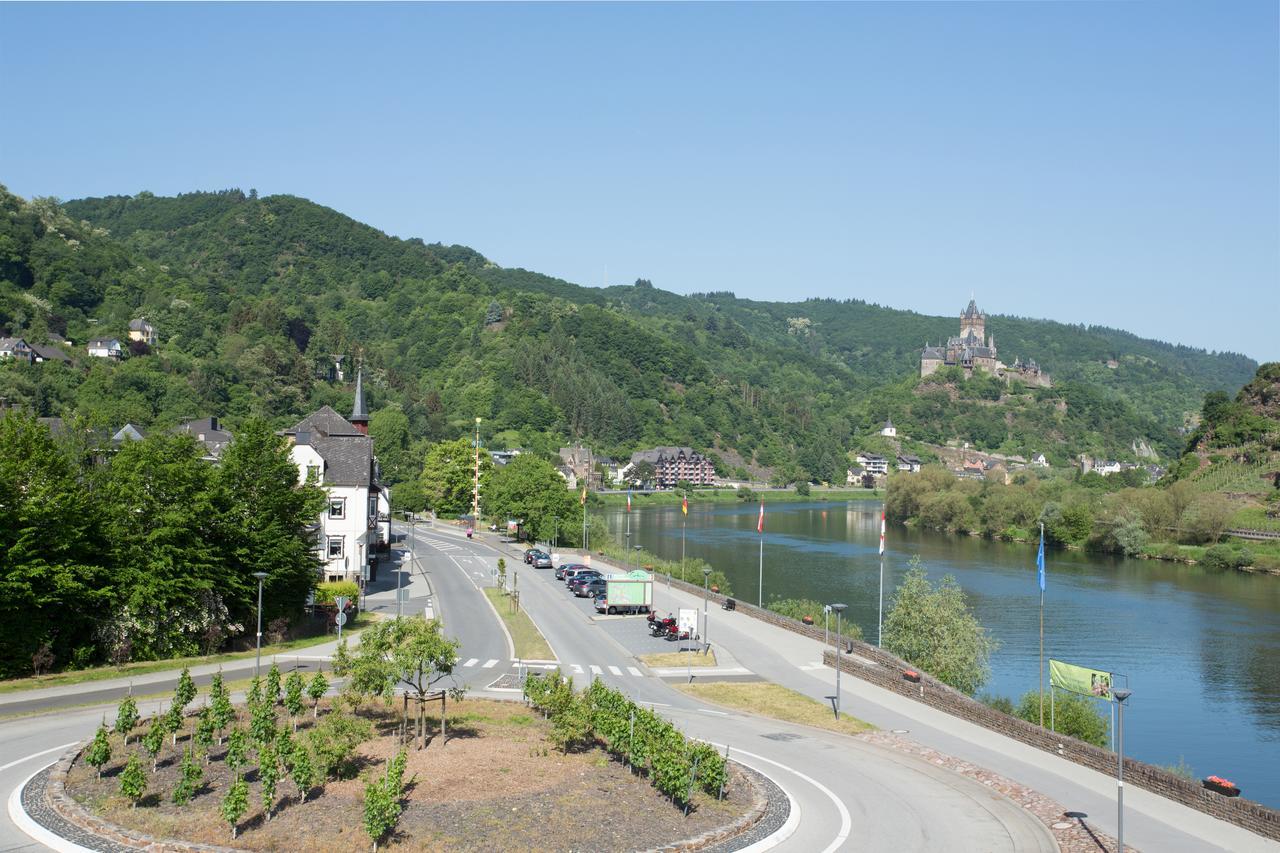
[(880, 612), (1040, 569), (760, 586)]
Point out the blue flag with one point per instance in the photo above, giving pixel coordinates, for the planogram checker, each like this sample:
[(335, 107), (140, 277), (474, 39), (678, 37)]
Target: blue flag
[(1040, 561)]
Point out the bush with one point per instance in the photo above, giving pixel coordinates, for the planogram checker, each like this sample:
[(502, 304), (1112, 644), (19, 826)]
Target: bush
[(1003, 704), (798, 608), (1073, 715), (333, 741), (1225, 557), (328, 591), (802, 488)]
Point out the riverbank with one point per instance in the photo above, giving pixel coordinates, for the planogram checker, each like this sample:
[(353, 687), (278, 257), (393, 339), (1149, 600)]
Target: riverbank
[(723, 496)]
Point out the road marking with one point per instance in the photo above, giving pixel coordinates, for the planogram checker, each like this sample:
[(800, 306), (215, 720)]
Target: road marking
[(24, 822), (709, 711), (577, 668), (595, 670), (637, 673), (489, 664), (615, 670), (15, 763), (472, 662), (846, 822)]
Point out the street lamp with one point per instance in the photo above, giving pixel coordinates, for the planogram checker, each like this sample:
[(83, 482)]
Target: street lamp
[(839, 611), (257, 664), (706, 579), (1120, 696)]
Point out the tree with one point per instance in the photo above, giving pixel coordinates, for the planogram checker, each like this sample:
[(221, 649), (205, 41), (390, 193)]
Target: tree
[(381, 806), (642, 474), (264, 516), (133, 780), (318, 686), (153, 740), (407, 652), (293, 688), (185, 691), (1207, 517), (303, 772), (126, 717), (235, 803), (935, 630), (237, 749), (206, 728), (448, 476), (191, 774), (1073, 715), (268, 776), (223, 712), (529, 488), (273, 684), (173, 720), (99, 751), (262, 723)]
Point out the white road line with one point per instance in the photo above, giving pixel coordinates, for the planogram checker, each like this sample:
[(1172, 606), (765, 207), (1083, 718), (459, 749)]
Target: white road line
[(24, 822), (637, 673), (615, 670), (846, 822), (709, 711), (489, 664), (65, 746), (472, 662), (595, 670), (577, 668)]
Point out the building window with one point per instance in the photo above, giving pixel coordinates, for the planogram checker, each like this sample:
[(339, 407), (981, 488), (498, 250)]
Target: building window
[(335, 547), (337, 507), (313, 473), (373, 506)]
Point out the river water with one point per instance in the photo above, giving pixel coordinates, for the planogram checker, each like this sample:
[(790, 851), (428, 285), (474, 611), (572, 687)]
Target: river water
[(1201, 648)]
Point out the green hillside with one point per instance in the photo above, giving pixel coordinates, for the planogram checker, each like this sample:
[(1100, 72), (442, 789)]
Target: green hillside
[(253, 296)]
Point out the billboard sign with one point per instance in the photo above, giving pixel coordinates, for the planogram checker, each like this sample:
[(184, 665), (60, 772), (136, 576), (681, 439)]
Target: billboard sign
[(1080, 679)]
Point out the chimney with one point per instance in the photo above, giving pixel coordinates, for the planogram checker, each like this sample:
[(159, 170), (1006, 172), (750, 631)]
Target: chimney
[(213, 423)]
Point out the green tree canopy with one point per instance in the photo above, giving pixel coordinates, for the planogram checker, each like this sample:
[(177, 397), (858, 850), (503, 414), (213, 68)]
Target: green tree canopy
[(448, 476), (530, 489)]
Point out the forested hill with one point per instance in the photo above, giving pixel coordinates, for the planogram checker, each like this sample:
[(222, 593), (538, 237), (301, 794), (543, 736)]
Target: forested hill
[(252, 296)]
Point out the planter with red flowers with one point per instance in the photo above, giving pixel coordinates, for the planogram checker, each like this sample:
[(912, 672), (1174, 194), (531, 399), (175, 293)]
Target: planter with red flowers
[(1225, 787), (911, 675)]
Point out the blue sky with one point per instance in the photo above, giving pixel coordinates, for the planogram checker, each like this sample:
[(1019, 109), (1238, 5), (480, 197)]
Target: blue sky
[(1102, 163)]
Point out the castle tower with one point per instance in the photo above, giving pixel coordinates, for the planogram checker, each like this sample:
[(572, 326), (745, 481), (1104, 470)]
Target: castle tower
[(973, 321), (359, 413)]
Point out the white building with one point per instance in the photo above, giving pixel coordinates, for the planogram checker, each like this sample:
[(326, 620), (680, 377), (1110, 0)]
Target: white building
[(889, 429), (909, 463), (338, 454), (1040, 461), (873, 463), (106, 348)]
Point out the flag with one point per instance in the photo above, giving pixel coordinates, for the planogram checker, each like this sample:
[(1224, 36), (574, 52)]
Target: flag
[(628, 500), (882, 534), (584, 494), (1040, 561), (760, 523), (684, 505)]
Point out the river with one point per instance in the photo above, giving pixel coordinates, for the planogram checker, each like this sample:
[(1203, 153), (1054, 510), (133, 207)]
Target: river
[(1201, 648)]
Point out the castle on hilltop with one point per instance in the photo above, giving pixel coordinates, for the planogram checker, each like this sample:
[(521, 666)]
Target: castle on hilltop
[(973, 350)]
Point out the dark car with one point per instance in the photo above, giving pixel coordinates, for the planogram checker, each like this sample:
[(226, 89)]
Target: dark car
[(582, 577), (564, 567), (591, 588), (542, 561), (579, 574), (532, 553)]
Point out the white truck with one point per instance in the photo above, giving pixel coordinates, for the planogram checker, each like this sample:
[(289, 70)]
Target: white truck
[(626, 593)]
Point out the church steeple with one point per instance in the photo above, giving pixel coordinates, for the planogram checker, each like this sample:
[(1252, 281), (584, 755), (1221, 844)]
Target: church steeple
[(359, 413)]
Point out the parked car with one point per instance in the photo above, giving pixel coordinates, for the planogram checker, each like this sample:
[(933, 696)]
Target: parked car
[(571, 571), (591, 588), (580, 572), (601, 603), (582, 578), (533, 552), (542, 561), (564, 567)]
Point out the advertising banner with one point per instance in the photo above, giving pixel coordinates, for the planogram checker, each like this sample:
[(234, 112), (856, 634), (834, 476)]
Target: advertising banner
[(1080, 679)]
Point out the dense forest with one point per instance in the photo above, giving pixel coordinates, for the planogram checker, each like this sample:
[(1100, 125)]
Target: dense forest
[(254, 297)]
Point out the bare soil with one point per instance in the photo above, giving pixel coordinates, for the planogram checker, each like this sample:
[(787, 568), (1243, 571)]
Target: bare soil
[(496, 784)]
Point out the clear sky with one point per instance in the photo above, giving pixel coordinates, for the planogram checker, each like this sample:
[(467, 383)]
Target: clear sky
[(1102, 163)]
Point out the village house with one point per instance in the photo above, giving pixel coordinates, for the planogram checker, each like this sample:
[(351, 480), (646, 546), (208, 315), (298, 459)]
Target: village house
[(141, 330), (672, 465), (337, 454), (15, 348), (889, 430), (873, 463), (106, 348), (40, 353), (209, 433), (909, 463), (1040, 461)]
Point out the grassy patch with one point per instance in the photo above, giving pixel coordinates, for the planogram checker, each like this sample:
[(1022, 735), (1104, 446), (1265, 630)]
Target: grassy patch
[(529, 642), (102, 673), (776, 701), (674, 659)]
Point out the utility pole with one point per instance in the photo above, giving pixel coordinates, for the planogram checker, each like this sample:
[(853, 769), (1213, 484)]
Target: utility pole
[(475, 501)]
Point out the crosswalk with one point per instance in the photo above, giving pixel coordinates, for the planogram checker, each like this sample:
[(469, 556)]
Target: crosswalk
[(568, 669)]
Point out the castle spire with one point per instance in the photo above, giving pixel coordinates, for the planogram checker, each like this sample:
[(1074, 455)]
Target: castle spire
[(359, 413)]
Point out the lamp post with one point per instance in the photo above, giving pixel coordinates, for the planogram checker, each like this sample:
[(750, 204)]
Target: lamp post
[(706, 579), (839, 611), (257, 663), (1120, 696)]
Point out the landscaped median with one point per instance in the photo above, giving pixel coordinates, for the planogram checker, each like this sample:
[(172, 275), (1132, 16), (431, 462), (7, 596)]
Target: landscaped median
[(525, 636), (773, 700)]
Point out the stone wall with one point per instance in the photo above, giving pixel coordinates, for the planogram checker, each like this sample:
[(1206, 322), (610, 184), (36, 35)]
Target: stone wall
[(877, 666)]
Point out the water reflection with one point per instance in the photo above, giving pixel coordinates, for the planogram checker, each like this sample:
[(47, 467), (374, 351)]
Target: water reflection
[(1201, 648)]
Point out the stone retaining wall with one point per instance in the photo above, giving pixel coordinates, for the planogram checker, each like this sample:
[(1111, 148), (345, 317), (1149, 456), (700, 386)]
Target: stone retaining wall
[(885, 670)]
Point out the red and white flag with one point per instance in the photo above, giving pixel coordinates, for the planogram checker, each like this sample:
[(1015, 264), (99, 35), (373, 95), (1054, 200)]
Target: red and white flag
[(760, 523), (882, 534)]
